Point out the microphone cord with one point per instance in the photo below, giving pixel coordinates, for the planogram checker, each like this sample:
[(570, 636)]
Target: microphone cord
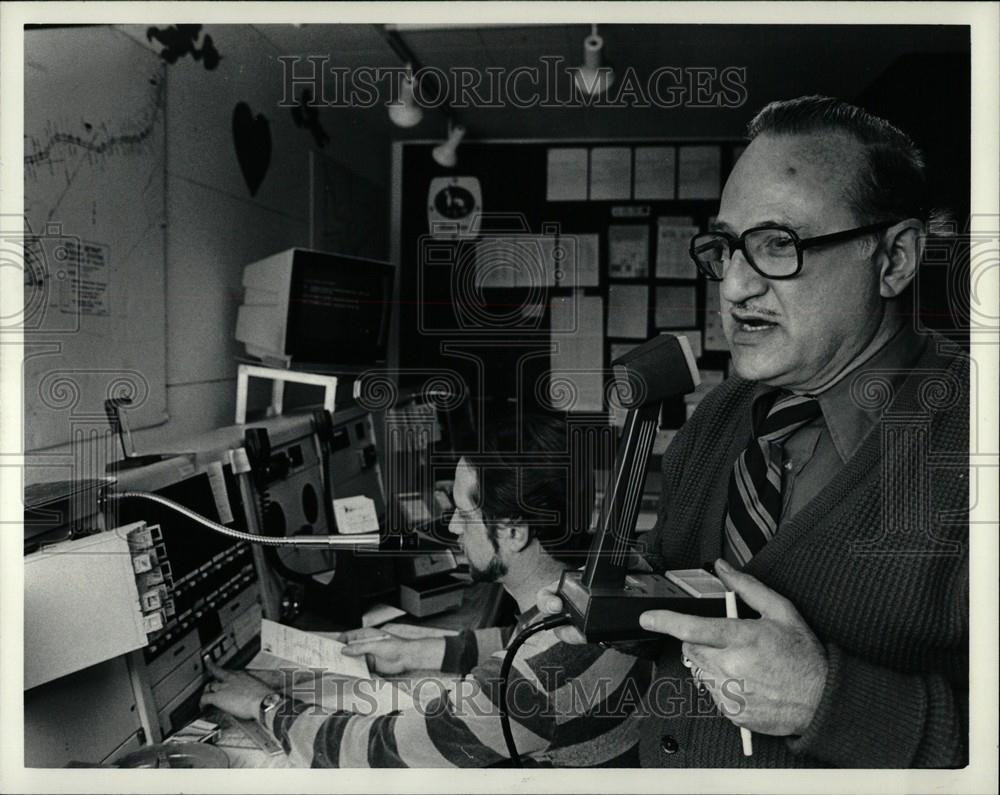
[(508, 660)]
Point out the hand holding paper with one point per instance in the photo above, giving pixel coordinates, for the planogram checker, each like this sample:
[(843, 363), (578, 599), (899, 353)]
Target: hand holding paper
[(309, 650)]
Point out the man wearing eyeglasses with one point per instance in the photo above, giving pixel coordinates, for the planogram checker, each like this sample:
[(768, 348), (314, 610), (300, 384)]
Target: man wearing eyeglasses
[(808, 477)]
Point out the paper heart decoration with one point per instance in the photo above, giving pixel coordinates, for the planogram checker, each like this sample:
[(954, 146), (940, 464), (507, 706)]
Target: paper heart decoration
[(252, 136)]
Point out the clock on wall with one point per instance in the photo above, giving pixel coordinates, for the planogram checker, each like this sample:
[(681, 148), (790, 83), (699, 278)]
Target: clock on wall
[(454, 207)]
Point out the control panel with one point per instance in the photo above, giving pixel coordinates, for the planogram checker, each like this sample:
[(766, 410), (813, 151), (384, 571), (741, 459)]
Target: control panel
[(210, 596), (202, 594)]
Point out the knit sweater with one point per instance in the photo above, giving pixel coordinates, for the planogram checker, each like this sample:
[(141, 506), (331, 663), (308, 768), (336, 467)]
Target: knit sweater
[(876, 564)]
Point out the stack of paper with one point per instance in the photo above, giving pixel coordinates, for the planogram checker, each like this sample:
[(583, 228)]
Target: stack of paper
[(566, 175)]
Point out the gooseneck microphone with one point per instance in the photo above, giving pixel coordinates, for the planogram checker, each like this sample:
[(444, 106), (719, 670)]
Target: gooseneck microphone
[(389, 542)]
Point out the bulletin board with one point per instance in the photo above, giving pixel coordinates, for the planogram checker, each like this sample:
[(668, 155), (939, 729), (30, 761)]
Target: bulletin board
[(94, 231), (626, 210)]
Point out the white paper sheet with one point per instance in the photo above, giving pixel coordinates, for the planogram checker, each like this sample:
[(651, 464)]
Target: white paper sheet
[(356, 514), (577, 379), (309, 650), (628, 310), (217, 480), (699, 172), (610, 173), (654, 172), (566, 176)]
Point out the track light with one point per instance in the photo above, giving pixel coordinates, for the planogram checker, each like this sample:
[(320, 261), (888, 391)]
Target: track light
[(406, 112), (593, 79), (445, 154)]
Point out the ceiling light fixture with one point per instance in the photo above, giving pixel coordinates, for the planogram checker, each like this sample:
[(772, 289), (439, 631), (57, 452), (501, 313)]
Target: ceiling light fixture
[(445, 154), (406, 112), (593, 79)]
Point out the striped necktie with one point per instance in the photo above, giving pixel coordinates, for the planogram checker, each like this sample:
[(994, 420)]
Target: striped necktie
[(754, 507)]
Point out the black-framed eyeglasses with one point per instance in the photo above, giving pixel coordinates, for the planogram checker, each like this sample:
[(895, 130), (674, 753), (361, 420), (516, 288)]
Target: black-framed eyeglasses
[(775, 252)]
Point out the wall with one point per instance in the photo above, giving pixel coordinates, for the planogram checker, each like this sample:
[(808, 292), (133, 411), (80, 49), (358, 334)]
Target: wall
[(95, 211), (215, 226)]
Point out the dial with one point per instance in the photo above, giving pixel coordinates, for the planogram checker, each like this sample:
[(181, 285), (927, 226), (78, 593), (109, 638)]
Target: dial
[(454, 201)]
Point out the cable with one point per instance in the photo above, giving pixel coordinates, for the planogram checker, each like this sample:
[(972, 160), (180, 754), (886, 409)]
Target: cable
[(359, 540), (508, 661)]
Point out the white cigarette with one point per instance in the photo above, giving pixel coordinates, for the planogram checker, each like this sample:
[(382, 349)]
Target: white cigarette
[(732, 612)]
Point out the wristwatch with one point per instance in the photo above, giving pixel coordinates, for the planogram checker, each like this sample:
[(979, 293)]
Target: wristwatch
[(268, 704)]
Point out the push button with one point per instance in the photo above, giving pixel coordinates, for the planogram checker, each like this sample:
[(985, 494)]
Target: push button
[(668, 744)]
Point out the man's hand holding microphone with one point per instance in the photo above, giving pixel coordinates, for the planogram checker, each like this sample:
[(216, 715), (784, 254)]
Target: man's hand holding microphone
[(777, 661)]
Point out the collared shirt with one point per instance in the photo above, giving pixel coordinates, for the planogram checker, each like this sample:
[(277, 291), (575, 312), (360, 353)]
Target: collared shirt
[(817, 451)]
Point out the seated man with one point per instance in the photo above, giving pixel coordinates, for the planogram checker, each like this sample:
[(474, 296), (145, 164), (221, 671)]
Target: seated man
[(571, 705)]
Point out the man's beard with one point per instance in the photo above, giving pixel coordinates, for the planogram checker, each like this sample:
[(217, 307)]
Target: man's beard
[(494, 570)]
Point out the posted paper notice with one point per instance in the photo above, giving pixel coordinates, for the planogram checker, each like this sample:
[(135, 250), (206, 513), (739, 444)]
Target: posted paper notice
[(566, 175)]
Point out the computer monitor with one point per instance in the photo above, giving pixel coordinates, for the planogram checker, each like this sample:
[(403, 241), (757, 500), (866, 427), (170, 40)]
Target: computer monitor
[(312, 307)]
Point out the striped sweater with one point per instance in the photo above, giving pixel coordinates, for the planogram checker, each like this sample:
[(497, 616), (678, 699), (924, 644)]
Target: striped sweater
[(571, 706)]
